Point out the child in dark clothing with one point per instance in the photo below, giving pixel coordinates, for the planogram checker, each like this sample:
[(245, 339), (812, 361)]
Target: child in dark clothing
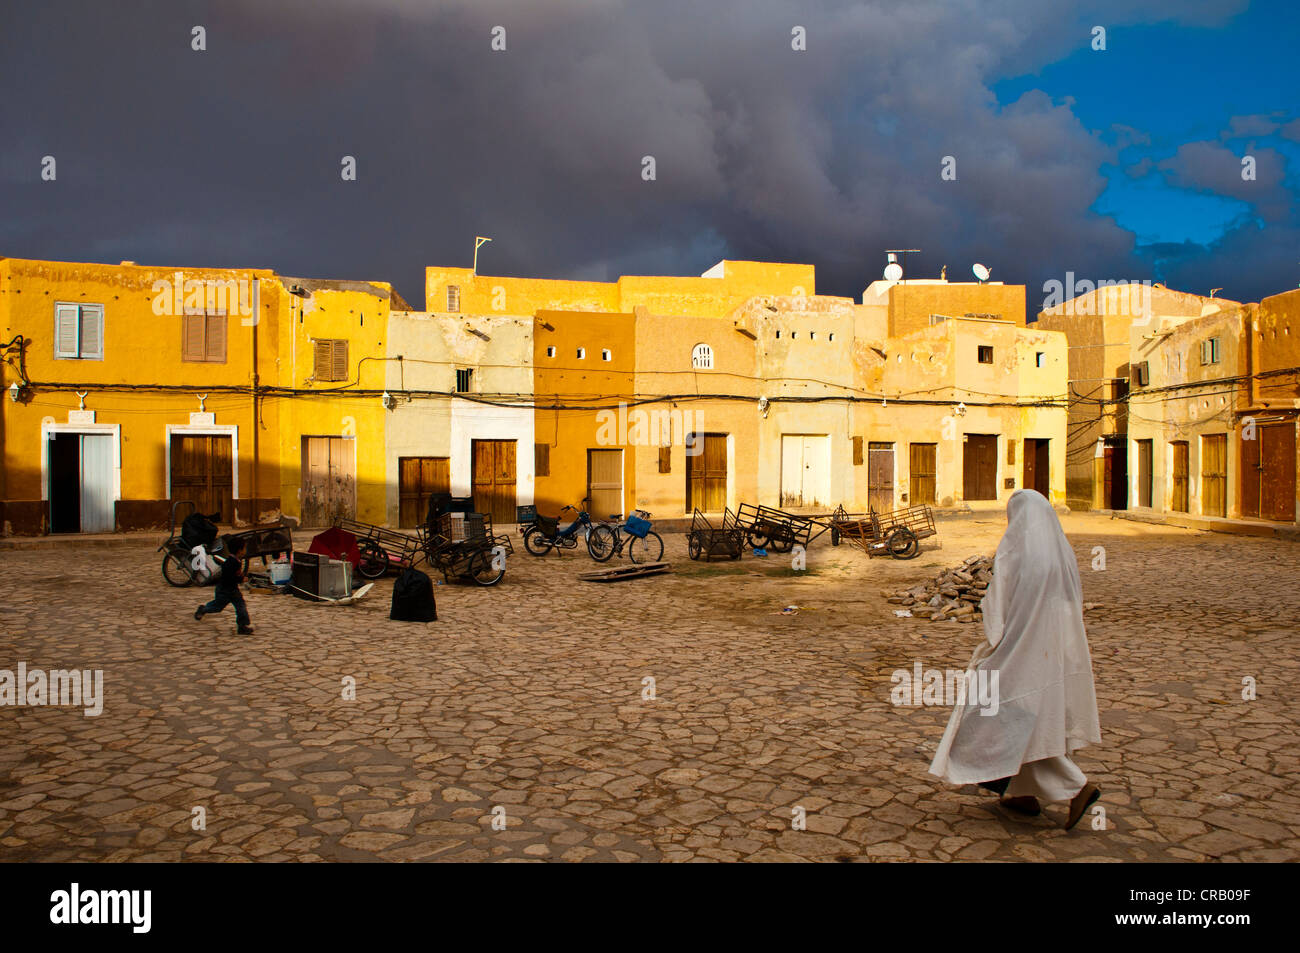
[(228, 587)]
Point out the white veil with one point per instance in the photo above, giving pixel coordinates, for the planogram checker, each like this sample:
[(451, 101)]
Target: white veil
[(1033, 622)]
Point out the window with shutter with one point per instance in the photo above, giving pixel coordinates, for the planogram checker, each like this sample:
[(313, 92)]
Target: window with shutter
[(192, 337), (215, 345), (665, 459), (79, 331), (339, 361), (321, 354), (65, 334), (92, 331), (453, 297), (542, 459), (857, 451)]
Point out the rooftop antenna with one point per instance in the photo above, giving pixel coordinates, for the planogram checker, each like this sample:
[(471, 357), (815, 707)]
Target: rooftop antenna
[(981, 272), (479, 242), (894, 271)]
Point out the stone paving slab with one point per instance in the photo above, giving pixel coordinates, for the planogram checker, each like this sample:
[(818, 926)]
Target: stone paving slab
[(515, 727)]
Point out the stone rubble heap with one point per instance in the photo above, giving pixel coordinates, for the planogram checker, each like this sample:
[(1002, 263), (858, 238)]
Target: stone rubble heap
[(952, 594)]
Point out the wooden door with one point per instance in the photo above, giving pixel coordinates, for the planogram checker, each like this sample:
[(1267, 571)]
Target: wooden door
[(494, 479), (1277, 486), (329, 485), (1115, 491), (1214, 475), (921, 473), (418, 478), (980, 466), (706, 473), (880, 477), (203, 470), (1178, 501), (605, 483), (1144, 473), (1037, 473)]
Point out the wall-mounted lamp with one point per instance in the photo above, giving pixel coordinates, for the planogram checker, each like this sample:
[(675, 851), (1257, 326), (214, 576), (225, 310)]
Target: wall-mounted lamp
[(202, 400), (389, 401), (15, 392), (763, 406), (960, 409), (83, 394)]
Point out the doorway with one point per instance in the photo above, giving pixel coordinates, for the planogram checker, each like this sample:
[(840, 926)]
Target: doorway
[(1038, 473), (1114, 493), (880, 477), (805, 469), (605, 483), (1268, 487), (1178, 499), (921, 473), (81, 483), (418, 478), (1214, 475), (706, 472), (493, 479), (1144, 473), (980, 466), (329, 483), (202, 470)]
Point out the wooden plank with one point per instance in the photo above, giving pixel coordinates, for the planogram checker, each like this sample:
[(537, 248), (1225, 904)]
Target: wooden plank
[(625, 572)]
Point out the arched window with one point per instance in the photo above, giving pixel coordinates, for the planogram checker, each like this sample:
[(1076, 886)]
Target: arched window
[(702, 357)]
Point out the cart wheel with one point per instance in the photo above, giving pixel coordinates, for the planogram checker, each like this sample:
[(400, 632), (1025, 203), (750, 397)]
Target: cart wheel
[(648, 550), (374, 560), (600, 543), (835, 536), (758, 541), (902, 543), (177, 571), (781, 545), (694, 545), (481, 571), (536, 543)]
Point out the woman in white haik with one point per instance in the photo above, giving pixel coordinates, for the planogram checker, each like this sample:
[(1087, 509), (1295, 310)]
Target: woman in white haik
[(1047, 705)]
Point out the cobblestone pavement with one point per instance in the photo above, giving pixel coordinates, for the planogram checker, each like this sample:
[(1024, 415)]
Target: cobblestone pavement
[(525, 702)]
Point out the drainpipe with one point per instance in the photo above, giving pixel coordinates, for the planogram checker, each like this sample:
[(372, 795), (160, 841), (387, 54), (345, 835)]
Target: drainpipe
[(257, 317)]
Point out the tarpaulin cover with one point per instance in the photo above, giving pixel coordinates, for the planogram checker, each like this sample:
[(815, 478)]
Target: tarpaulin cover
[(336, 544)]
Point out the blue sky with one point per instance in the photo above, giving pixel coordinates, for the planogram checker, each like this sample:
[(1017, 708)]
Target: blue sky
[(1178, 83)]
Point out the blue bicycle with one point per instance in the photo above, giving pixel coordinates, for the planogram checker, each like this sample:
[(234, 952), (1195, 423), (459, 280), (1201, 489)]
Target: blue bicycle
[(644, 545), (545, 534)]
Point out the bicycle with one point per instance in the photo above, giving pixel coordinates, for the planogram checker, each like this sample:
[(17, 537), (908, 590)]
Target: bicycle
[(546, 534), (644, 544)]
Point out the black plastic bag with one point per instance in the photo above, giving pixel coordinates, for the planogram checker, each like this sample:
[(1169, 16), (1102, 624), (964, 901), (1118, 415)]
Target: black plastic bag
[(413, 598)]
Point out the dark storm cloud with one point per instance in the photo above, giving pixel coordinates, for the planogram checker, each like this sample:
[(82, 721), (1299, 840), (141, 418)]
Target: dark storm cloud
[(232, 156)]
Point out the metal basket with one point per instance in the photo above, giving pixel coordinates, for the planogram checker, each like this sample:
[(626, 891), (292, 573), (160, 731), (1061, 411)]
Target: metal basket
[(638, 527)]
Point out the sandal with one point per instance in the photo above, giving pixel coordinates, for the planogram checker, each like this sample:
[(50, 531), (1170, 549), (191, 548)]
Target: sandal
[(1089, 793)]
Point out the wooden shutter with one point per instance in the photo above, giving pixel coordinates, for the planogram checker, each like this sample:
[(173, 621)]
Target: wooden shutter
[(321, 351), (857, 451), (215, 347), (542, 459), (191, 337), (339, 361), (665, 459), (65, 330), (91, 327)]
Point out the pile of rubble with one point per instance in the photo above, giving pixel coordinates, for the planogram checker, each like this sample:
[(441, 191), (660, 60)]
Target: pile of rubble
[(952, 594)]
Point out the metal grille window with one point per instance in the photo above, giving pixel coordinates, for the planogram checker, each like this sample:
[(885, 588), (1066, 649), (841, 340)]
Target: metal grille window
[(463, 377), (986, 353), (453, 297), (331, 359), (79, 331), (702, 357)]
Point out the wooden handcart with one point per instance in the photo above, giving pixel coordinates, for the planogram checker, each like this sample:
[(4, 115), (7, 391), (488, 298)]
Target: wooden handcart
[(896, 534), (381, 549), (705, 539), (766, 527), (266, 541), (463, 545)]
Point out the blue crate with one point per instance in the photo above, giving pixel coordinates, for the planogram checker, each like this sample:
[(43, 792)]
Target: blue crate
[(638, 527)]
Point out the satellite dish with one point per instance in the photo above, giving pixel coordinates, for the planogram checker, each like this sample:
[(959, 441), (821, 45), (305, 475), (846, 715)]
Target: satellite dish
[(893, 271), (981, 272)]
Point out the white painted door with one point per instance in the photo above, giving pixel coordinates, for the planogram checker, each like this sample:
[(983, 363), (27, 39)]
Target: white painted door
[(805, 469), (97, 510)]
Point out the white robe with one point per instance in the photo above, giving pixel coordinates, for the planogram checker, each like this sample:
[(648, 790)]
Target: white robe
[(1033, 623)]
